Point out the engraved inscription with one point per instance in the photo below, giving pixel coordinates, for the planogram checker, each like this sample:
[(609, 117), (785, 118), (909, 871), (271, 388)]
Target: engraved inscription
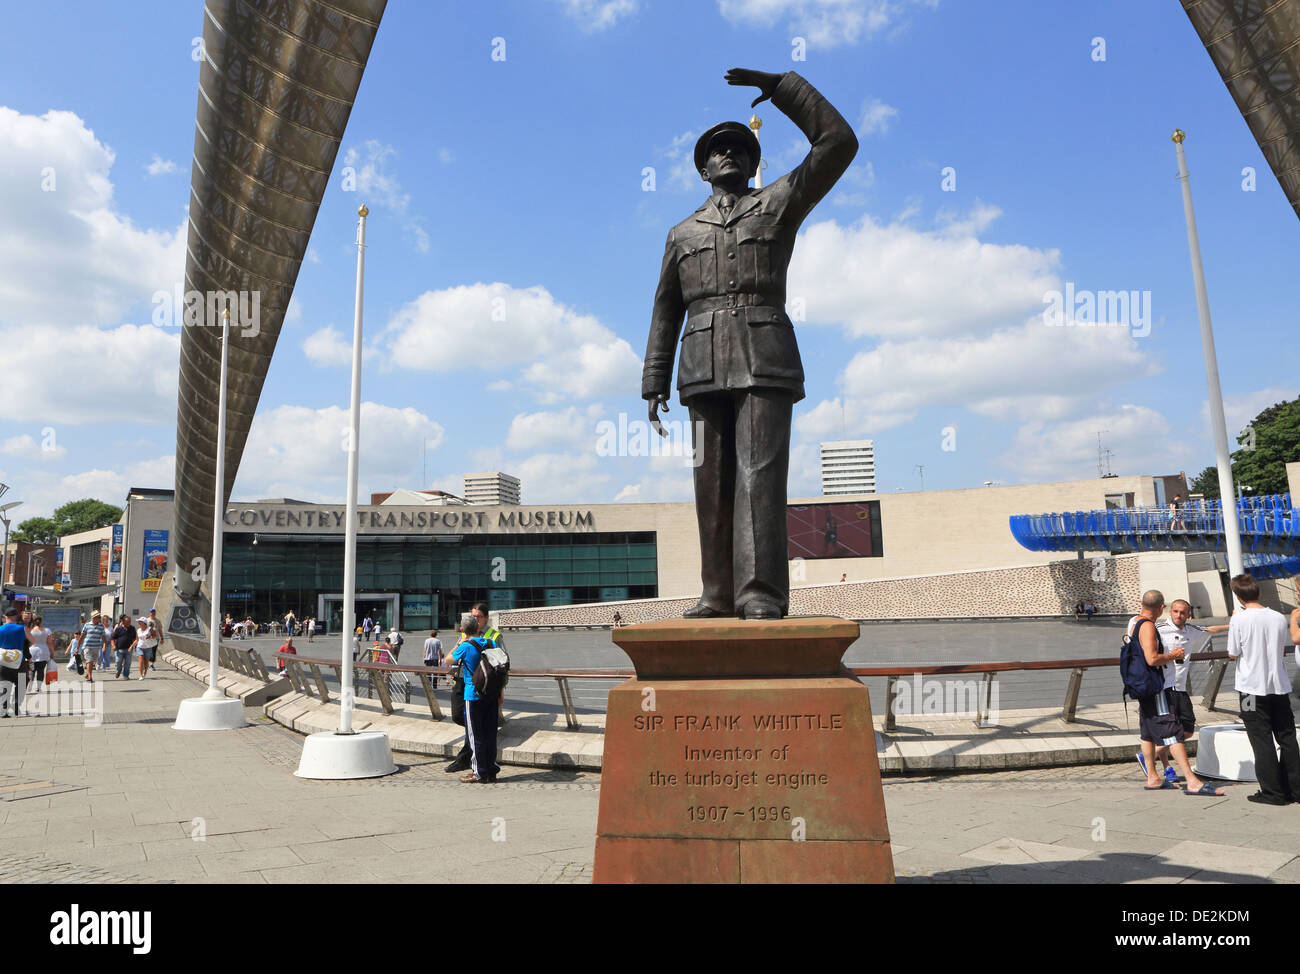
[(750, 773)]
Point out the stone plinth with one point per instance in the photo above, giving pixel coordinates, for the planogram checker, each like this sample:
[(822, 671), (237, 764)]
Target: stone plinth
[(740, 752)]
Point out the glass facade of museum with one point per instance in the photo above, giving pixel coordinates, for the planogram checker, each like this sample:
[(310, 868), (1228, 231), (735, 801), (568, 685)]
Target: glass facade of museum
[(430, 581)]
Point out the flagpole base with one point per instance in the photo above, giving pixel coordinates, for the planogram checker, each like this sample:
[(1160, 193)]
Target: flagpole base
[(203, 714), (331, 755)]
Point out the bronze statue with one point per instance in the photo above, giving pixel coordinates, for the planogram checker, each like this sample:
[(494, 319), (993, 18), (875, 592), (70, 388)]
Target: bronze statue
[(724, 270)]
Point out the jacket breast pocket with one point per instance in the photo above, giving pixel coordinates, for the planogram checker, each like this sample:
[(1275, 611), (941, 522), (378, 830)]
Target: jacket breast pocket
[(759, 257), (697, 269), (697, 351), (773, 350)]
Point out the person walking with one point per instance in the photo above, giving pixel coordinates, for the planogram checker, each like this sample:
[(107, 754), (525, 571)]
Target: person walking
[(1257, 639), (367, 625), (146, 646), (311, 628), (94, 643), (42, 651), (124, 643), (14, 656), (433, 650)]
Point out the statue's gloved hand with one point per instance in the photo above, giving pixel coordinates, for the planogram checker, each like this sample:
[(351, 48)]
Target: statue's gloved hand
[(762, 80), (656, 403)]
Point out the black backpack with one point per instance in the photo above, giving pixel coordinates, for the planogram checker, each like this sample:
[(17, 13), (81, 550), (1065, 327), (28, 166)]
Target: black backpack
[(492, 672), (1141, 680)]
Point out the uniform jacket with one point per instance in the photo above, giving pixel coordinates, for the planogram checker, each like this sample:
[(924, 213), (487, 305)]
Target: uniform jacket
[(727, 277)]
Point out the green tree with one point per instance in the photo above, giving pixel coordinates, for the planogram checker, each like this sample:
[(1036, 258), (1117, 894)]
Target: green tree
[(84, 515), (36, 530), (1270, 441), (1206, 484)]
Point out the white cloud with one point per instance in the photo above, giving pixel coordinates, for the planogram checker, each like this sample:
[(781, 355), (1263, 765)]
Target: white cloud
[(44, 491), (876, 117), (77, 375), (328, 347), (852, 187), (377, 185), (25, 447), (571, 428), (893, 280), (680, 154), (825, 23), (446, 156), (597, 15), (1138, 437), (565, 354), (69, 257), (1028, 372), (159, 166), (1239, 410), (295, 451)]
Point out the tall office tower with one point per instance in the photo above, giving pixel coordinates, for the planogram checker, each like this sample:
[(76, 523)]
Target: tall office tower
[(848, 467), (491, 488)]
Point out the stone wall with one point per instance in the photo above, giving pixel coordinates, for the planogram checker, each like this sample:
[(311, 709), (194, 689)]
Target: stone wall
[(1026, 591)]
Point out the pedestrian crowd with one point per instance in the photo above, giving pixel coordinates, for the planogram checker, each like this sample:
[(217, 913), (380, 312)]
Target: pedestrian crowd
[(28, 648), (1155, 666)]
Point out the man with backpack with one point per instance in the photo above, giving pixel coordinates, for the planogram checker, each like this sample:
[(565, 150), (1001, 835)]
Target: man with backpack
[(493, 635), (1147, 678), (480, 706)]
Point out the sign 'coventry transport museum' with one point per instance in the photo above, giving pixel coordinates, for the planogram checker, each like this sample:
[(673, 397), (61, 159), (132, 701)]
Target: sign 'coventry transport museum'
[(456, 520)]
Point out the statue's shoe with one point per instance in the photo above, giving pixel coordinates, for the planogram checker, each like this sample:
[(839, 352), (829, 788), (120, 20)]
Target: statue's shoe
[(700, 610), (760, 610)]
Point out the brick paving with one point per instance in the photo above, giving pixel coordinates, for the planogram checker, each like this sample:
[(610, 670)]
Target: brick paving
[(131, 800)]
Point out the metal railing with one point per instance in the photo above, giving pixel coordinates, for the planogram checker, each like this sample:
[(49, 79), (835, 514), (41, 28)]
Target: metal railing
[(428, 677)]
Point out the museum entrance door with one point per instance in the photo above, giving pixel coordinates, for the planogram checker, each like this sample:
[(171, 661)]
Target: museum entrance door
[(381, 607)]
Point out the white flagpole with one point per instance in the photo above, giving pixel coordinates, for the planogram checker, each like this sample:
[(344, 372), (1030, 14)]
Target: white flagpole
[(354, 452), (756, 123), (214, 710), (346, 753), (218, 519), (1231, 528)]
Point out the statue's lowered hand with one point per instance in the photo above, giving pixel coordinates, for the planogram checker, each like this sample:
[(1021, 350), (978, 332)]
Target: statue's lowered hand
[(655, 405), (762, 80)]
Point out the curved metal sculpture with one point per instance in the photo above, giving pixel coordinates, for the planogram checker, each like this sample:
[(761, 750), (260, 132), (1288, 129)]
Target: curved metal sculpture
[(1255, 44), (276, 87), (1270, 531)]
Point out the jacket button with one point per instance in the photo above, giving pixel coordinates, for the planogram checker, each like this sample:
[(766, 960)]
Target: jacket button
[(733, 312), (731, 256), (731, 284), (731, 229)]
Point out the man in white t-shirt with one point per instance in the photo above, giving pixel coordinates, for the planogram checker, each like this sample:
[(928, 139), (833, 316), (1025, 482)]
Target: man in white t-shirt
[(1257, 639)]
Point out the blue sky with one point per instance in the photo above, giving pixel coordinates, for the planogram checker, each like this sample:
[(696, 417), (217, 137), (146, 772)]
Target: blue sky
[(523, 181)]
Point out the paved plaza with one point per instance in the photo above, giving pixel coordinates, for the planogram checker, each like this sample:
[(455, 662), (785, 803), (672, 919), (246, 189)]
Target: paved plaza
[(132, 800)]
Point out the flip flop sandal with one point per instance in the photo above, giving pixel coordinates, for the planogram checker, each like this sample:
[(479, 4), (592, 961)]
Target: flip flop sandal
[(1163, 786), (1208, 791)]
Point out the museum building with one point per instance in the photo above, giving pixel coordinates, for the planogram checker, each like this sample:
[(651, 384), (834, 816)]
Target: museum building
[(422, 561)]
